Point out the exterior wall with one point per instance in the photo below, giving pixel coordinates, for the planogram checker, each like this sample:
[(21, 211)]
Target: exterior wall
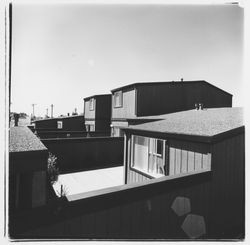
[(128, 105), (188, 157), (86, 153), (210, 203), (101, 115), (227, 188), (178, 96), (91, 123), (87, 112), (179, 208), (182, 157), (48, 124), (69, 123), (103, 107), (27, 180), (39, 188), (103, 125)]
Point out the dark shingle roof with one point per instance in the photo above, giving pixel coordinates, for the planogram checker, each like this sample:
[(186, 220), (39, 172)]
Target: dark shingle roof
[(207, 122), (23, 140)]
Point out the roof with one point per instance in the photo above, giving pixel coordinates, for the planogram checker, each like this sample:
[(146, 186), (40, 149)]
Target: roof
[(177, 83), (206, 122), (23, 140), (97, 95)]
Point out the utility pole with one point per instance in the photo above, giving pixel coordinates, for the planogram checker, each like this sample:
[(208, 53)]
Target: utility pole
[(33, 105), (52, 110), (47, 112)]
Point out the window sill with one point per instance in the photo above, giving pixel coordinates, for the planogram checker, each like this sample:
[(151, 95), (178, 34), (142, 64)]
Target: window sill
[(146, 174)]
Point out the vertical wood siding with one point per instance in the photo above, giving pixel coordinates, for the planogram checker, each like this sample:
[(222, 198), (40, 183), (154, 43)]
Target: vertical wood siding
[(152, 212), (188, 157), (183, 157), (103, 107), (128, 106), (158, 99), (89, 113), (228, 174)]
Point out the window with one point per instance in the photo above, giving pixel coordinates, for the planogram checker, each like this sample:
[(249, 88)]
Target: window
[(90, 127), (148, 155), (118, 99), (92, 104), (117, 132), (59, 124)]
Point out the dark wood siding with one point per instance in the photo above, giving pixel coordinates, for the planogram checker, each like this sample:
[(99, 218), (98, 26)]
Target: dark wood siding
[(69, 123), (79, 154), (227, 189), (103, 107), (155, 209), (178, 96)]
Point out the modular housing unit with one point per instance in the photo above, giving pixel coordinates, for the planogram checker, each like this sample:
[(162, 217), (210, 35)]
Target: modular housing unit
[(189, 142), (70, 123), (97, 112), (139, 100)]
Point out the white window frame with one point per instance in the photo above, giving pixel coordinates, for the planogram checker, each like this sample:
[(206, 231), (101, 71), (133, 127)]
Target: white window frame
[(92, 104), (118, 94), (152, 149), (59, 124)]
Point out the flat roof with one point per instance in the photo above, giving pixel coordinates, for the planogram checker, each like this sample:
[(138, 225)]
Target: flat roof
[(23, 140), (206, 122), (134, 85), (86, 181), (58, 118), (96, 95)]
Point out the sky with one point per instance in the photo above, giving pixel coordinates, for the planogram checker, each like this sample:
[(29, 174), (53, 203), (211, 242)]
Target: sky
[(62, 53)]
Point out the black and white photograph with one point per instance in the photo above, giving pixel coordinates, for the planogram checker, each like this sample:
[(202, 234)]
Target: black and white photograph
[(124, 121)]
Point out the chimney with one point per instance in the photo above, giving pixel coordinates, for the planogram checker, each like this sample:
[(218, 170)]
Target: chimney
[(181, 79)]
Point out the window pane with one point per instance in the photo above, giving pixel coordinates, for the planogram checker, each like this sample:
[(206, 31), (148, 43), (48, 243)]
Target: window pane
[(159, 147), (118, 98), (59, 124), (141, 152)]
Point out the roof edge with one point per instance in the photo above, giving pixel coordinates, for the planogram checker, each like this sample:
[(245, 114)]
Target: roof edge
[(166, 82), (189, 137), (96, 95)]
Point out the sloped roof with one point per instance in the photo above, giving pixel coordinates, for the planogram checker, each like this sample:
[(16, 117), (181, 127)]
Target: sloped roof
[(207, 122), (175, 83), (23, 140)]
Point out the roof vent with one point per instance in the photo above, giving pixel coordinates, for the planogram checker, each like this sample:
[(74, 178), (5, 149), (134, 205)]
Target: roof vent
[(199, 106), (181, 79)]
